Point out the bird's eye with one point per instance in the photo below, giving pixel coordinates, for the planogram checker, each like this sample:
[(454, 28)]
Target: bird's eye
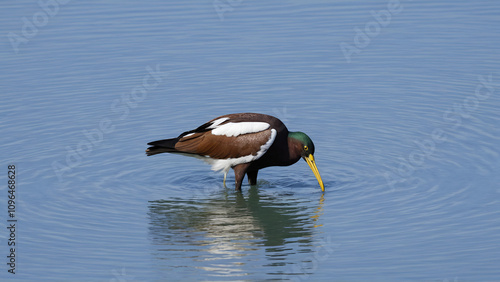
[(306, 148)]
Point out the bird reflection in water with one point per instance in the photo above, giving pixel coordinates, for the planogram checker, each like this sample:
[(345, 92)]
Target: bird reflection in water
[(319, 211), (225, 231)]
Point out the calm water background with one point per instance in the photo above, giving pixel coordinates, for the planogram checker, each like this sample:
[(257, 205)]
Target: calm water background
[(404, 114)]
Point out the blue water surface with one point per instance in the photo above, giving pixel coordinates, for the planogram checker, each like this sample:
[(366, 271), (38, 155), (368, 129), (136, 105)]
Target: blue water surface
[(400, 97)]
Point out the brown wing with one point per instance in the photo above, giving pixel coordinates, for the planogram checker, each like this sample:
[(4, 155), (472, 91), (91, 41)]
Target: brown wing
[(221, 146)]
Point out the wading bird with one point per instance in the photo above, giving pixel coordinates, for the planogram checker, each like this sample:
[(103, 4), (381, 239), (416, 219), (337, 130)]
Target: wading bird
[(245, 142)]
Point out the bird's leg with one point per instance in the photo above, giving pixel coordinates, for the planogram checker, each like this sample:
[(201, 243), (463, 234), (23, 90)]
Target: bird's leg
[(224, 182), (239, 173), (252, 177)]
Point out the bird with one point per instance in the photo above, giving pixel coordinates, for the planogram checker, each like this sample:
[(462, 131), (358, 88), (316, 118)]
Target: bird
[(245, 142)]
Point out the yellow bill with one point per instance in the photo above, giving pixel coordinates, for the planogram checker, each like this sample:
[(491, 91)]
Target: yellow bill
[(310, 161)]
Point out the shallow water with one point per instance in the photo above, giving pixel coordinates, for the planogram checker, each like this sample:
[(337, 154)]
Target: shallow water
[(406, 130)]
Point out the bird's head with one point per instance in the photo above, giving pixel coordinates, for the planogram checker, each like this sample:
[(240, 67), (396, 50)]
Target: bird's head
[(307, 153)]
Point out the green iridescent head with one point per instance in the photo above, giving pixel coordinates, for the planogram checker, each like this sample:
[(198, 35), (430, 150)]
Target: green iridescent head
[(307, 143), (307, 153)]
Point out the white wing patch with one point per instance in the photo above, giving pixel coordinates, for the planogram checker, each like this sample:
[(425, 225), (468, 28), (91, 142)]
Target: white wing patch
[(226, 164), (231, 129), (216, 122)]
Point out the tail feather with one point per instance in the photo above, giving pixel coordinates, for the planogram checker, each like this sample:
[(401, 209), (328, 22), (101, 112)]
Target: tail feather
[(162, 146)]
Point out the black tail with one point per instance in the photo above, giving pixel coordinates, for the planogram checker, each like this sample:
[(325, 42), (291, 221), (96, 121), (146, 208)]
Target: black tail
[(162, 146)]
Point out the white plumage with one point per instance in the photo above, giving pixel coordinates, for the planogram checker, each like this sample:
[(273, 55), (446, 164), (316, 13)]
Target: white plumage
[(231, 129), (216, 122), (226, 164)]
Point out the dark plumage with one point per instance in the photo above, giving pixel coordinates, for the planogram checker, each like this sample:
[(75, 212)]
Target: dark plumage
[(244, 142)]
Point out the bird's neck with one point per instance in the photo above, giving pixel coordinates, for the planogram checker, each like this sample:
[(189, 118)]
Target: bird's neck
[(294, 149)]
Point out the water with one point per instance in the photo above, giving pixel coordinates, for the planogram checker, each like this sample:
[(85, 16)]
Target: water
[(403, 113)]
